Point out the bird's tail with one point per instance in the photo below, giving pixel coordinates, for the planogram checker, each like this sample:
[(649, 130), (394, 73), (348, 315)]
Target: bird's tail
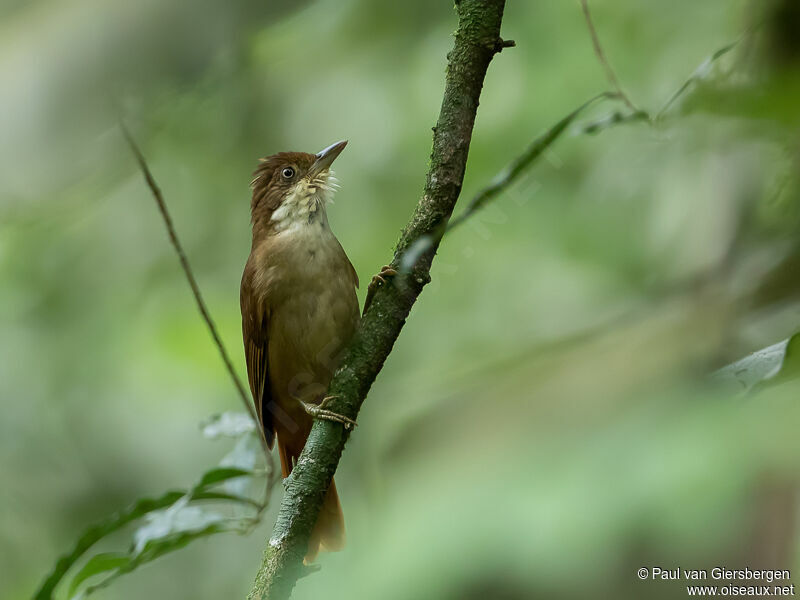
[(328, 533)]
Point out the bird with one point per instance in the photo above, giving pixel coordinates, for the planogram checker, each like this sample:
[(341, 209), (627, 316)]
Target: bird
[(299, 311)]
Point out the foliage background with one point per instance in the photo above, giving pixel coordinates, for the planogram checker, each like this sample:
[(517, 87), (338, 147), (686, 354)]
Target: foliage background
[(543, 426)]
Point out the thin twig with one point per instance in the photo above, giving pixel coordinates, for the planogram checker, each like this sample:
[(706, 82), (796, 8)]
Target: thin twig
[(521, 163), (699, 73), (540, 144), (187, 269), (503, 180), (601, 56)]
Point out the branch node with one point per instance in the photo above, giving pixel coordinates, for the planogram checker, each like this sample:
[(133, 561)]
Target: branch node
[(497, 44), (505, 44)]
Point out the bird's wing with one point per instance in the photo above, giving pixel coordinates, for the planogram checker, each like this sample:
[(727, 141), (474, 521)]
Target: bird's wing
[(351, 270), (255, 320)]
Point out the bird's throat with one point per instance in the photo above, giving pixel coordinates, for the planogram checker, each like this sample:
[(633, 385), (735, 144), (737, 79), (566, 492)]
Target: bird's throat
[(303, 207)]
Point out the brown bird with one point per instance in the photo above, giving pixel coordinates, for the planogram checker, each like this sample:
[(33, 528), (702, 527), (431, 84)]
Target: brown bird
[(299, 310)]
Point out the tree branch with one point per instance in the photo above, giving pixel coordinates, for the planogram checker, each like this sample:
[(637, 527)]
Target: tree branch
[(187, 269), (476, 41)]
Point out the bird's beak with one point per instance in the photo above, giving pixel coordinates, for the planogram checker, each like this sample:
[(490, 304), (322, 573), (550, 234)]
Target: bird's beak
[(327, 156)]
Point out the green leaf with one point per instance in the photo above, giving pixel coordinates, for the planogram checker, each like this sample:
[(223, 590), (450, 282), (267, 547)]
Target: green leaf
[(218, 475), (790, 365), (230, 497), (178, 518), (165, 531), (140, 509), (228, 424), (243, 456), (156, 548), (99, 531), (160, 547), (99, 563), (772, 365)]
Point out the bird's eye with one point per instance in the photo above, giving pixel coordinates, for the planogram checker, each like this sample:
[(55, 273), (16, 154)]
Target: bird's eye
[(288, 173)]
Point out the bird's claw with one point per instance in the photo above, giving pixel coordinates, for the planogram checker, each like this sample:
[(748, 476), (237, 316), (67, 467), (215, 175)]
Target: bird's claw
[(318, 411), (386, 272)]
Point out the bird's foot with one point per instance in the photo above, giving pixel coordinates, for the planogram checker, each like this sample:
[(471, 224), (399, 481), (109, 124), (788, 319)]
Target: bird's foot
[(387, 272), (318, 411)]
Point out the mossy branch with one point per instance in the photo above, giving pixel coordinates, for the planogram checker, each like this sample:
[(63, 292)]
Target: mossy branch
[(477, 40)]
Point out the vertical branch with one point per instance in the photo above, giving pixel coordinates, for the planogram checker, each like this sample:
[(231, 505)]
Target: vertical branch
[(477, 40)]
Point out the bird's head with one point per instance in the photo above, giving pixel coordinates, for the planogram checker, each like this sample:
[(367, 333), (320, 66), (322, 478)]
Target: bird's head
[(290, 189)]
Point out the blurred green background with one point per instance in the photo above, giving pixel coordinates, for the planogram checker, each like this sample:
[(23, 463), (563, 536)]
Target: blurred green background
[(544, 426)]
